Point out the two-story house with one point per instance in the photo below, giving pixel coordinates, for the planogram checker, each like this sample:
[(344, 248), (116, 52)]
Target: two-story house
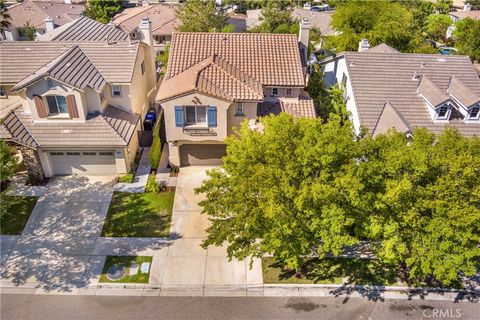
[(387, 89), (75, 107), (214, 81)]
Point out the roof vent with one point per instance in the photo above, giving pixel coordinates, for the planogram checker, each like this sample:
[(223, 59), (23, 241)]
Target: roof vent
[(422, 64), (442, 60), (28, 49), (66, 131), (415, 76)]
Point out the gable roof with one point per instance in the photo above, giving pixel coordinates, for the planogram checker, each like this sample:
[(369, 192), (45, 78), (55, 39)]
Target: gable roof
[(85, 30), (380, 77), (71, 67), (303, 107), (382, 48), (35, 13), (431, 92), (319, 20), (113, 127), (462, 93), (390, 118), (271, 59), (215, 77), (20, 59), (163, 18)]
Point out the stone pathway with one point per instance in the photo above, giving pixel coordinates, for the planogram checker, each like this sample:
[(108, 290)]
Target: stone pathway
[(141, 176)]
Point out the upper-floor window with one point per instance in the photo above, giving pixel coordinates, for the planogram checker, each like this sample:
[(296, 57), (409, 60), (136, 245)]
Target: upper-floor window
[(116, 91), (289, 92), (275, 91), (3, 94), (344, 80), (57, 105), (102, 96), (143, 67), (195, 115), (443, 112), (240, 111), (49, 84), (474, 113)]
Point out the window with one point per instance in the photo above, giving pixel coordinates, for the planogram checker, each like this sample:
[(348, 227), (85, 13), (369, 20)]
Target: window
[(56, 105), (289, 91), (143, 67), (116, 91), (195, 115), (73, 153), (275, 91), (344, 80), (442, 113), (106, 153), (56, 153), (89, 153), (474, 113), (240, 111), (49, 84), (2, 92), (102, 96)]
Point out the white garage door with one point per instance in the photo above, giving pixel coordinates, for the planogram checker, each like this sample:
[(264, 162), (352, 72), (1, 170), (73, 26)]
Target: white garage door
[(83, 162)]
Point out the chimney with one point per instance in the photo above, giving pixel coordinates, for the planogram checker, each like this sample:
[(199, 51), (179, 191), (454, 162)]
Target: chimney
[(303, 37), (49, 26), (467, 7), (145, 3), (363, 45), (146, 31)]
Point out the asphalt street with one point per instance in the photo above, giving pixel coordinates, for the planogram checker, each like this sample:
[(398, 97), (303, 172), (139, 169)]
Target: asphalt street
[(49, 307)]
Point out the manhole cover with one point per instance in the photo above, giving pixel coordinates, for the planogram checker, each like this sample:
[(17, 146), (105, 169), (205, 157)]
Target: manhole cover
[(116, 273)]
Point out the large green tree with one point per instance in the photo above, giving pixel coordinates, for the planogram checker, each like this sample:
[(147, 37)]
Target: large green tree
[(474, 3), (102, 10), (276, 19), (467, 37), (300, 187), (377, 21), (437, 25), (202, 16), (8, 161)]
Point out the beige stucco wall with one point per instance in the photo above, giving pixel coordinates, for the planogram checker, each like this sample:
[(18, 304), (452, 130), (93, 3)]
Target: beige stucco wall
[(233, 120), (131, 151), (41, 88), (175, 133), (282, 93)]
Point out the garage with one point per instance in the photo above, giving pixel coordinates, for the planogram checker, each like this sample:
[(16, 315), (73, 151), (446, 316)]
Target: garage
[(202, 154), (83, 162)]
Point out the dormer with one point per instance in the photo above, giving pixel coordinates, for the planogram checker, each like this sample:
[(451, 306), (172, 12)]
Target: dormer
[(467, 100), (439, 103)]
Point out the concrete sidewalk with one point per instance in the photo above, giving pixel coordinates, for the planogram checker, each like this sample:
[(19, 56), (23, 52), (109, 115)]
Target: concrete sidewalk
[(141, 175)]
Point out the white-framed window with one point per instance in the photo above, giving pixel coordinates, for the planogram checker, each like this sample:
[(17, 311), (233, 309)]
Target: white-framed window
[(105, 153), (116, 91), (56, 105), (89, 153), (56, 153), (102, 96), (195, 115), (344, 80), (49, 84), (474, 113), (143, 67), (275, 91), (71, 153), (443, 113), (240, 110), (289, 92), (3, 94)]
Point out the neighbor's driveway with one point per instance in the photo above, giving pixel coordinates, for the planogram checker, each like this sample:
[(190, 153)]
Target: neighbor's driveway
[(184, 264), (56, 245)]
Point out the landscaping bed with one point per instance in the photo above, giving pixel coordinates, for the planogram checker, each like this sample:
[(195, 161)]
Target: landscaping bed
[(130, 266), (142, 215), (15, 213), (331, 271)]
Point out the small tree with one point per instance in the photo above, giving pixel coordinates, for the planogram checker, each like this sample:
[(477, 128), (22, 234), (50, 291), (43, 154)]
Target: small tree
[(202, 16), (102, 10), (276, 19), (29, 31), (437, 25), (467, 38), (5, 19), (8, 161)]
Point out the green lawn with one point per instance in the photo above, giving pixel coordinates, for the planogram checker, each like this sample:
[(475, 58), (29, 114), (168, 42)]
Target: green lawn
[(126, 261), (331, 271), (14, 213), (146, 215)]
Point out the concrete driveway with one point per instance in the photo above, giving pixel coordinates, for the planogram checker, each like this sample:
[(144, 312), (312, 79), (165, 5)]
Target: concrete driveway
[(56, 245), (185, 264)]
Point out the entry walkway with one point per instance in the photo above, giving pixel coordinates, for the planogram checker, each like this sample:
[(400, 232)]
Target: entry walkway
[(141, 176)]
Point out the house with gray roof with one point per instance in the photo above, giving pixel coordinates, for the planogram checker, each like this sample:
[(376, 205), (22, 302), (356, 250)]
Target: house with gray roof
[(386, 89), (76, 107)]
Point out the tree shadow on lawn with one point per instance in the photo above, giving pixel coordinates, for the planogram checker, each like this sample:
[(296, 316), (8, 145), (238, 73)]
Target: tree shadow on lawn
[(16, 211), (139, 215)]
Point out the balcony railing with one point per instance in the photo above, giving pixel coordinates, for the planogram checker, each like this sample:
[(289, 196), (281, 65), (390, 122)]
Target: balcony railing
[(199, 131)]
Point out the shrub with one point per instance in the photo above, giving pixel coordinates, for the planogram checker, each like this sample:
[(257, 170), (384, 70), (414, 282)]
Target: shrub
[(156, 148), (126, 178), (153, 185)]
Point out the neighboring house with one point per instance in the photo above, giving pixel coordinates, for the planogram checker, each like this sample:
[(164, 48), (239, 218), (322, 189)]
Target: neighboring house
[(386, 89), (163, 18), (75, 108), (215, 81), (458, 15), (85, 29), (44, 16)]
